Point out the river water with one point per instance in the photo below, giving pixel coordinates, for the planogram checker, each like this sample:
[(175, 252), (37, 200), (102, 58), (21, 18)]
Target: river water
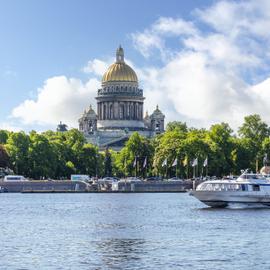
[(129, 231)]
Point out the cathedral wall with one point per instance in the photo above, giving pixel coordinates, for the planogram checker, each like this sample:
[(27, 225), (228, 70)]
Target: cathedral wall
[(120, 124)]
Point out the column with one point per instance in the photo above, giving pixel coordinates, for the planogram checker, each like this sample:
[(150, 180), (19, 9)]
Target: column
[(107, 110), (128, 110), (116, 110), (98, 110)]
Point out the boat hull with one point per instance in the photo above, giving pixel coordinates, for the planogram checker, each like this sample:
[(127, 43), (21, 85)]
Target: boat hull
[(218, 199)]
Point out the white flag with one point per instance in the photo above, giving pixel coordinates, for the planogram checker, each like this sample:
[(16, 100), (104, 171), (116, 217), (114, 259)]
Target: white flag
[(164, 163), (145, 162), (205, 163), (195, 162), (135, 162), (174, 163)]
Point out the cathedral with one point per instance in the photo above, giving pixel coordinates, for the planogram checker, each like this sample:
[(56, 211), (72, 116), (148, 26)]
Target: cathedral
[(119, 109)]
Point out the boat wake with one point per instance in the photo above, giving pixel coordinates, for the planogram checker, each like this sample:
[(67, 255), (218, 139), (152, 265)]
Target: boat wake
[(247, 206)]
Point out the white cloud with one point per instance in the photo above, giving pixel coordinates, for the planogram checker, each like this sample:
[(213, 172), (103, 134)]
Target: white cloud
[(210, 77), (207, 77), (239, 17), (174, 27), (152, 38), (60, 99), (96, 66), (10, 127), (146, 41)]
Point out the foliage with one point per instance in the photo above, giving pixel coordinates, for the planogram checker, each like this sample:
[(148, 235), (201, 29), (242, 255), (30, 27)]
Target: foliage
[(4, 157), (255, 131), (60, 154), (3, 136), (131, 158), (176, 125), (41, 157), (17, 147), (108, 163)]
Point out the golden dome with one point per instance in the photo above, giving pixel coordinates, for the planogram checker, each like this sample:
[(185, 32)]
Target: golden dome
[(120, 71)]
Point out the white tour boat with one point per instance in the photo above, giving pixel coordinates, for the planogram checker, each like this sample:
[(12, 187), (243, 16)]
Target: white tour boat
[(249, 189)]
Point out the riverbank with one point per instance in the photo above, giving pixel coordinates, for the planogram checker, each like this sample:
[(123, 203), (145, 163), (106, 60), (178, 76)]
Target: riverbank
[(67, 186)]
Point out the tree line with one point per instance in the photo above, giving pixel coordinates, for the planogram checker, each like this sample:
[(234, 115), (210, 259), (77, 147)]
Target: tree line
[(59, 154)]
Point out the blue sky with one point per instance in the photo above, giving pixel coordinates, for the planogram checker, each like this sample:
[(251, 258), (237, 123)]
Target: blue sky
[(46, 46)]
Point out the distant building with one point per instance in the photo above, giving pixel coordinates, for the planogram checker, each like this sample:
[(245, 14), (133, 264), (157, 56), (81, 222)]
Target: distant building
[(61, 127), (119, 109)]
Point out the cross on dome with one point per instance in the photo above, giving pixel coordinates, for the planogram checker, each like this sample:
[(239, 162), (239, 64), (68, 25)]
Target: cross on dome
[(120, 55)]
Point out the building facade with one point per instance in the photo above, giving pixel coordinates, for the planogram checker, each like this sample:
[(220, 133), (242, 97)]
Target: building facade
[(120, 109)]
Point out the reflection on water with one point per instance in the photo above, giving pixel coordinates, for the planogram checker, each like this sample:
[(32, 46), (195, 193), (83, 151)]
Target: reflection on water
[(128, 231), (122, 253)]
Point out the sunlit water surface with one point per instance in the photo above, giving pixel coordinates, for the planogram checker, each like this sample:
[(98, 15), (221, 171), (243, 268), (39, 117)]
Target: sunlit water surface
[(129, 231)]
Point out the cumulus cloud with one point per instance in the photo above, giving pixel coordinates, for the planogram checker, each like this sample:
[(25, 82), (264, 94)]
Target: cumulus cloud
[(216, 70), (96, 66), (59, 99), (151, 38), (10, 127), (211, 76)]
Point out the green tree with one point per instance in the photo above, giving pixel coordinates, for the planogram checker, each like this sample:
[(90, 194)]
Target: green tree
[(42, 158), (168, 147), (137, 147), (89, 160), (254, 130), (17, 147), (242, 155), (177, 125), (108, 163), (220, 140), (3, 136), (195, 146), (4, 157)]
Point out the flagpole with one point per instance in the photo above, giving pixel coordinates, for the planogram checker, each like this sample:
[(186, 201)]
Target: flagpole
[(187, 168), (135, 166), (125, 167), (176, 170), (167, 170), (146, 169)]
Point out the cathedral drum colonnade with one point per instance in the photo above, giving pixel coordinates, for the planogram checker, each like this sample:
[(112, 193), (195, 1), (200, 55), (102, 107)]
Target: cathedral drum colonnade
[(120, 98), (119, 107)]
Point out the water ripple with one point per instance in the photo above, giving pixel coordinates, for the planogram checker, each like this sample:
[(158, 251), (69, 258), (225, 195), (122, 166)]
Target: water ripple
[(128, 231)]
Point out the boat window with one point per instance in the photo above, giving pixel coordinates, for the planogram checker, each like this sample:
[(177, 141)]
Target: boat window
[(221, 187), (244, 187), (256, 188)]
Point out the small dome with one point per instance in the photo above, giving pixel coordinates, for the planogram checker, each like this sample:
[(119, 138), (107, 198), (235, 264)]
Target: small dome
[(90, 113), (120, 71)]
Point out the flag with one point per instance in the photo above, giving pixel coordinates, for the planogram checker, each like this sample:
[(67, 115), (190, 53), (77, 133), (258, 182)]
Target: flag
[(205, 163), (174, 163), (195, 162), (164, 163), (145, 162), (185, 161), (135, 162), (265, 160)]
